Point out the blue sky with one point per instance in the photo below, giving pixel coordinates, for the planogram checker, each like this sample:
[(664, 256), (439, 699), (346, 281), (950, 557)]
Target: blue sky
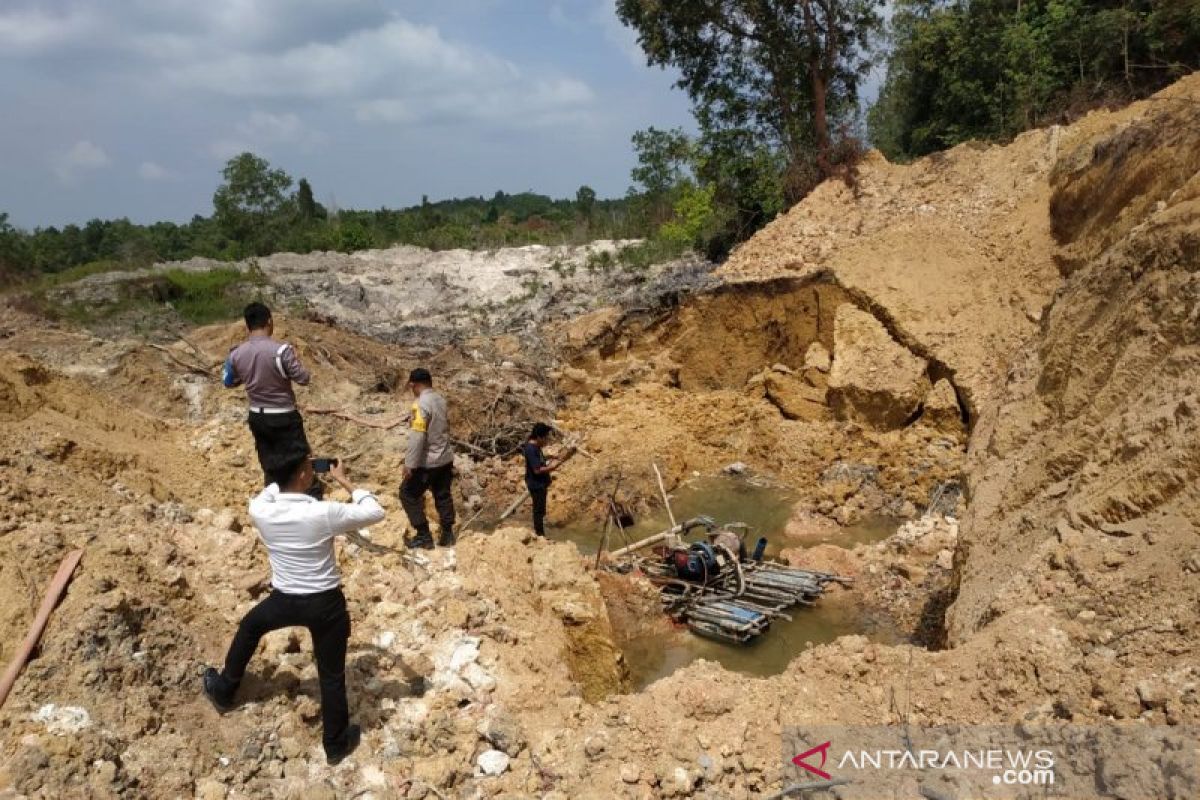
[(130, 107)]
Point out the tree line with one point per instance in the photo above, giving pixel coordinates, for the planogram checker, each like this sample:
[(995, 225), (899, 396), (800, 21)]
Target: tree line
[(259, 209), (989, 69)]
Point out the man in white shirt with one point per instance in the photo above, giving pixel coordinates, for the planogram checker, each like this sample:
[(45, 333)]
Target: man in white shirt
[(298, 532)]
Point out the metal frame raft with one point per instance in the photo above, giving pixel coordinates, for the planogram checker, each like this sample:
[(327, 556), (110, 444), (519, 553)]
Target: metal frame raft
[(735, 603)]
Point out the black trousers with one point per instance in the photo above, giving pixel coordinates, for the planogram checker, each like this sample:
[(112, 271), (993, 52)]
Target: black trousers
[(538, 493), (412, 497), (278, 438), (328, 622)]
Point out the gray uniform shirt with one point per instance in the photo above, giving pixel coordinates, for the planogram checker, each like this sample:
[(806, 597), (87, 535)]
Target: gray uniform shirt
[(267, 368), (428, 433)]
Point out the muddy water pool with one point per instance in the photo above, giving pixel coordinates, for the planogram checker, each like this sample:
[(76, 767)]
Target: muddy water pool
[(766, 509)]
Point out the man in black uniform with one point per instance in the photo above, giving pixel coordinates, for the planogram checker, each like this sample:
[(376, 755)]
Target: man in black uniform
[(537, 472)]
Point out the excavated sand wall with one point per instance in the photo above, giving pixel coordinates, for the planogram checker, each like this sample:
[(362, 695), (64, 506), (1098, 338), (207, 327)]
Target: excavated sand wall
[(1088, 465)]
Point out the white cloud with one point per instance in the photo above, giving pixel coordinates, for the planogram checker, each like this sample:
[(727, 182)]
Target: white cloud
[(263, 131), (150, 171), (625, 39), (34, 30), (399, 72), (83, 156), (284, 128), (534, 104), (397, 53)]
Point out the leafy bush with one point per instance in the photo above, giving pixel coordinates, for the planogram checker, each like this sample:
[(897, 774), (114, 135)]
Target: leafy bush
[(211, 296)]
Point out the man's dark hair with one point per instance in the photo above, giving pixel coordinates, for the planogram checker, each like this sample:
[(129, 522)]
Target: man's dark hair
[(540, 431), (257, 316), (420, 375), (283, 470)]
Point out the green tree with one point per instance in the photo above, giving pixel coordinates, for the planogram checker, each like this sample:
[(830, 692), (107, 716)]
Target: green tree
[(353, 235), (663, 163), (249, 205), (585, 201), (14, 250), (748, 180), (309, 209), (695, 214), (788, 72)]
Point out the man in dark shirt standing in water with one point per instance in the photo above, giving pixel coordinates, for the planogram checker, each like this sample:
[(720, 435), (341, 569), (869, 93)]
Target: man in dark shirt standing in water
[(537, 472)]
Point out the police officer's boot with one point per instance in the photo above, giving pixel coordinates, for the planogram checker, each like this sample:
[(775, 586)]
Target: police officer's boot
[(422, 541), (447, 538)]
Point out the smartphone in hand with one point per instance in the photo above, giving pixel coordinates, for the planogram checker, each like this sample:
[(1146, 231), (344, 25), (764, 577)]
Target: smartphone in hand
[(323, 464)]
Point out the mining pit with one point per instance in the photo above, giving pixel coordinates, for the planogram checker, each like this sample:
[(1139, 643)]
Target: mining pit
[(968, 384)]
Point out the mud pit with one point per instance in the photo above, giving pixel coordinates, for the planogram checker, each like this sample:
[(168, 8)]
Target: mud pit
[(1069, 593)]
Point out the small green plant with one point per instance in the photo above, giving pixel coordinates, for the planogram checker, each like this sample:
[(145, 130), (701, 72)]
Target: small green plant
[(600, 261), (532, 286), (642, 256), (563, 269), (210, 296)]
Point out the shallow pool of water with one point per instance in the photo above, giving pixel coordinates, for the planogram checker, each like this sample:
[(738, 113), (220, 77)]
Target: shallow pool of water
[(766, 509), (834, 615), (763, 507)]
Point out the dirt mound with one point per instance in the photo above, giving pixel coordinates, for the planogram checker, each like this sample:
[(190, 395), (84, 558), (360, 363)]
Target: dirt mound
[(954, 252)]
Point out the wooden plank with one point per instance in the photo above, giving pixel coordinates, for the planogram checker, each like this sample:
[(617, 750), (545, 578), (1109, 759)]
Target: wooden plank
[(57, 586)]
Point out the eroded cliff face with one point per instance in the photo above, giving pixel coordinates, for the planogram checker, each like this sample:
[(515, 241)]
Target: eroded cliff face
[(1083, 476)]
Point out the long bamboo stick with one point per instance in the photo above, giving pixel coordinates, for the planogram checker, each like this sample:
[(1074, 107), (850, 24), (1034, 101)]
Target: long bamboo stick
[(649, 540), (58, 585), (663, 490), (512, 509)]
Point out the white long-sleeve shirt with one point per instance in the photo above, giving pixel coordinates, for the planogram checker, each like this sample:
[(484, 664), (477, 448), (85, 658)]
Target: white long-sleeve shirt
[(298, 532)]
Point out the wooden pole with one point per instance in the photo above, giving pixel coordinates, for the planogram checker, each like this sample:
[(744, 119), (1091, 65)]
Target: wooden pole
[(58, 585), (603, 539), (649, 540), (512, 509), (663, 489)]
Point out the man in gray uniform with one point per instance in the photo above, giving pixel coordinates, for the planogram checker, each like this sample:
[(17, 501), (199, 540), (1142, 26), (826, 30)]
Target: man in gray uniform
[(267, 368), (428, 463)]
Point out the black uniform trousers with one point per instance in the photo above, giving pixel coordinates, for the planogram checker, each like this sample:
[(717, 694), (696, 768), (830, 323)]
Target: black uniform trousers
[(328, 622), (439, 480)]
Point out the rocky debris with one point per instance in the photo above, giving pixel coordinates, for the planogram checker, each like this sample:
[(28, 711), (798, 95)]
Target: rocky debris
[(804, 524), (409, 294), (940, 409), (926, 536), (63, 720), (817, 358), (795, 397), (874, 379), (896, 578), (502, 731), (492, 762)]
